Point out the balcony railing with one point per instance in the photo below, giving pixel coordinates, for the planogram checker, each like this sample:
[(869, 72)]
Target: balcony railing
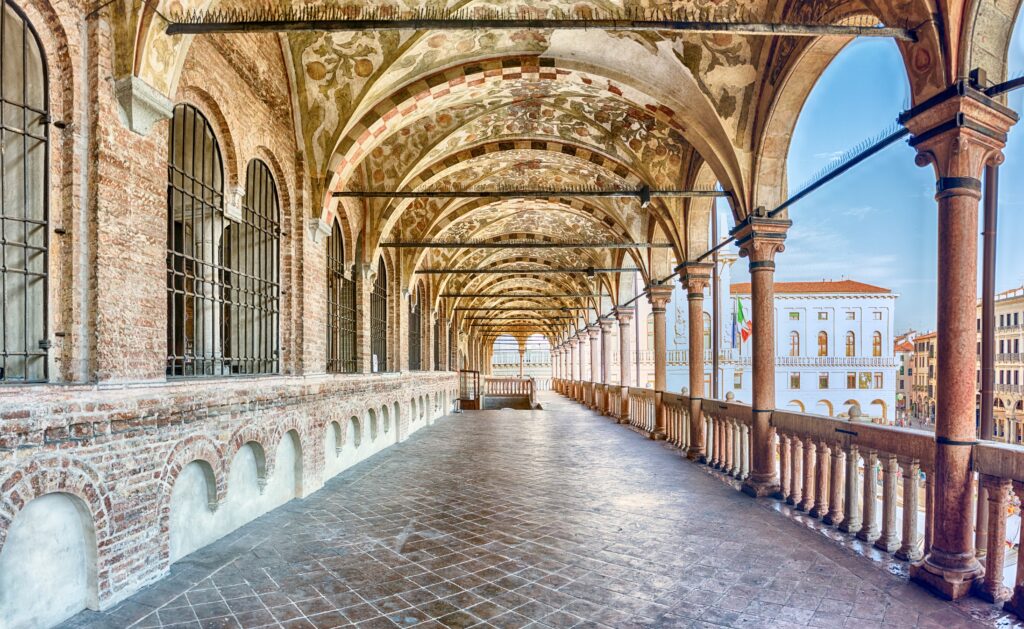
[(1012, 357), (869, 481), (1010, 388)]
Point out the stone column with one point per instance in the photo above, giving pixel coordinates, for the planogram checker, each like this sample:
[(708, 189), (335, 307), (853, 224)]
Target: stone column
[(573, 362), (522, 362), (991, 588), (695, 277), (595, 353), (659, 295), (581, 354), (625, 317), (958, 132), (910, 548), (607, 325), (869, 524), (836, 487), (889, 540), (759, 239), (821, 487)]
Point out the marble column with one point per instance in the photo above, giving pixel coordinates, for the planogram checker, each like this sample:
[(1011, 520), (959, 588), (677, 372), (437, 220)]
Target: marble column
[(695, 277), (958, 132), (760, 238), (659, 295), (625, 318), (595, 353)]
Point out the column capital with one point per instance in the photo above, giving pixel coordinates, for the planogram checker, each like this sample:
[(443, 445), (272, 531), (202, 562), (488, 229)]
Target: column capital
[(958, 132), (623, 315), (695, 277), (572, 342), (659, 295), (606, 324), (760, 238), (594, 330)]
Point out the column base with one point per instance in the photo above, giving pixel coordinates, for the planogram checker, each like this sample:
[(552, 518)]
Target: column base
[(658, 436), (817, 512), (889, 546), (1016, 602), (761, 488), (697, 455), (911, 555), (983, 591), (951, 585), (832, 519), (866, 534)]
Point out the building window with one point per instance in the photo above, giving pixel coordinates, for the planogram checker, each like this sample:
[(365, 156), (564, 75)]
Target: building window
[(822, 380), (794, 380), (737, 380), (251, 281), (415, 333), (707, 332), (864, 380), (822, 343), (851, 344), (822, 316), (851, 380), (879, 380), (851, 315), (341, 309), (794, 343), (24, 212), (650, 332), (877, 315), (196, 267), (453, 357), (379, 320), (794, 316), (876, 344)]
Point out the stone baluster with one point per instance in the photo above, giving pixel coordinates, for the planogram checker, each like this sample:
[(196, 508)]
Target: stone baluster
[(851, 523), (929, 509), (836, 487), (1016, 602), (745, 446), (821, 495), (910, 549), (727, 427), (889, 540), (808, 489), (785, 481), (869, 526), (991, 587), (796, 476)]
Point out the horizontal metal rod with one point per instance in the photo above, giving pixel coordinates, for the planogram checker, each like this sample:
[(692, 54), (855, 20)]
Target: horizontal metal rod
[(472, 308), (524, 244), (509, 193), (519, 318), (204, 23), (510, 271), (515, 295)]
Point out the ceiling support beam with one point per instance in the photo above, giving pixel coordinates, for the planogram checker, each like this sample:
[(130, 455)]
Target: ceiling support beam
[(520, 295), (525, 244), (529, 308), (587, 270), (644, 195), (385, 19)]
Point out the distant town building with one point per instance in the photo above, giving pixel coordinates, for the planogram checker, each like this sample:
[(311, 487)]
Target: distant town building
[(1009, 362), (922, 400), (903, 349)]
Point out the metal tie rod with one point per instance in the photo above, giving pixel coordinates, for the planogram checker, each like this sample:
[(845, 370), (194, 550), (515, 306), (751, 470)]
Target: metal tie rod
[(514, 295), (533, 244), (588, 271), (644, 194)]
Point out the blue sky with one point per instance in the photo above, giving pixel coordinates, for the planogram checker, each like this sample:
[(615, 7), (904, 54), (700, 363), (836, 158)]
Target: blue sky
[(877, 223)]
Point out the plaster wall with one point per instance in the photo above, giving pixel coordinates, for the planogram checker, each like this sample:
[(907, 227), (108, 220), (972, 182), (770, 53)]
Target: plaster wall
[(48, 564)]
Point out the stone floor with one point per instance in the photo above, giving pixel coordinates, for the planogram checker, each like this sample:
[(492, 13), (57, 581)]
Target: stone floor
[(552, 518)]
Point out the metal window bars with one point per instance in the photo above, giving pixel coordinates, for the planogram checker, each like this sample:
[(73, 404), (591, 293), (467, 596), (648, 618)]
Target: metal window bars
[(379, 319), (341, 309), (195, 225), (24, 201), (415, 331)]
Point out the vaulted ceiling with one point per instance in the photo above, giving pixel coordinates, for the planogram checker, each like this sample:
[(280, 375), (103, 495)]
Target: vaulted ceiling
[(553, 110)]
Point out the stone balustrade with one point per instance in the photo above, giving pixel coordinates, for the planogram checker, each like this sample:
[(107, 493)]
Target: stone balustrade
[(868, 481)]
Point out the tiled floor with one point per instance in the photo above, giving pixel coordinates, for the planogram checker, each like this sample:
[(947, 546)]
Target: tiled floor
[(528, 518)]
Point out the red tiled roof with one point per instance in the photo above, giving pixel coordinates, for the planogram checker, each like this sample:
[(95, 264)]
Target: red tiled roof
[(905, 346), (827, 286)]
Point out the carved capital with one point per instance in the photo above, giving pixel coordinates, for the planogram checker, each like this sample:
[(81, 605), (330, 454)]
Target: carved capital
[(695, 276), (318, 230), (607, 324), (760, 238), (959, 132), (659, 295), (594, 331), (624, 315)]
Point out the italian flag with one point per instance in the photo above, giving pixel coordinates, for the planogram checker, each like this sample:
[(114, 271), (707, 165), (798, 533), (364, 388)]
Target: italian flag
[(743, 323)]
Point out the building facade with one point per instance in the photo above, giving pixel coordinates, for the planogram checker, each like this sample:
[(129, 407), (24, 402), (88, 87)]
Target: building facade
[(1008, 413)]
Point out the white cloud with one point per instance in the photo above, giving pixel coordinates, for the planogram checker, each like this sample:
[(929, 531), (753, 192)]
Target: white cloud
[(860, 211)]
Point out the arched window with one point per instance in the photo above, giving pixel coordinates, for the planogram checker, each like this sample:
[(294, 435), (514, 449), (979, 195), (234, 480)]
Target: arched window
[(851, 344), (415, 331), (195, 258), (453, 356), (794, 343), (341, 308), (876, 344), (379, 320), (251, 278), (822, 343), (24, 212)]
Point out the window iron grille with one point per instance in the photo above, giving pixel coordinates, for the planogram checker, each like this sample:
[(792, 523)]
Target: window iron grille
[(341, 309), (379, 320), (415, 331), (24, 208)]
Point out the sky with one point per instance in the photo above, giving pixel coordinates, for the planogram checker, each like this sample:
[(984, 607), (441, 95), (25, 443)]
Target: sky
[(878, 222)]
